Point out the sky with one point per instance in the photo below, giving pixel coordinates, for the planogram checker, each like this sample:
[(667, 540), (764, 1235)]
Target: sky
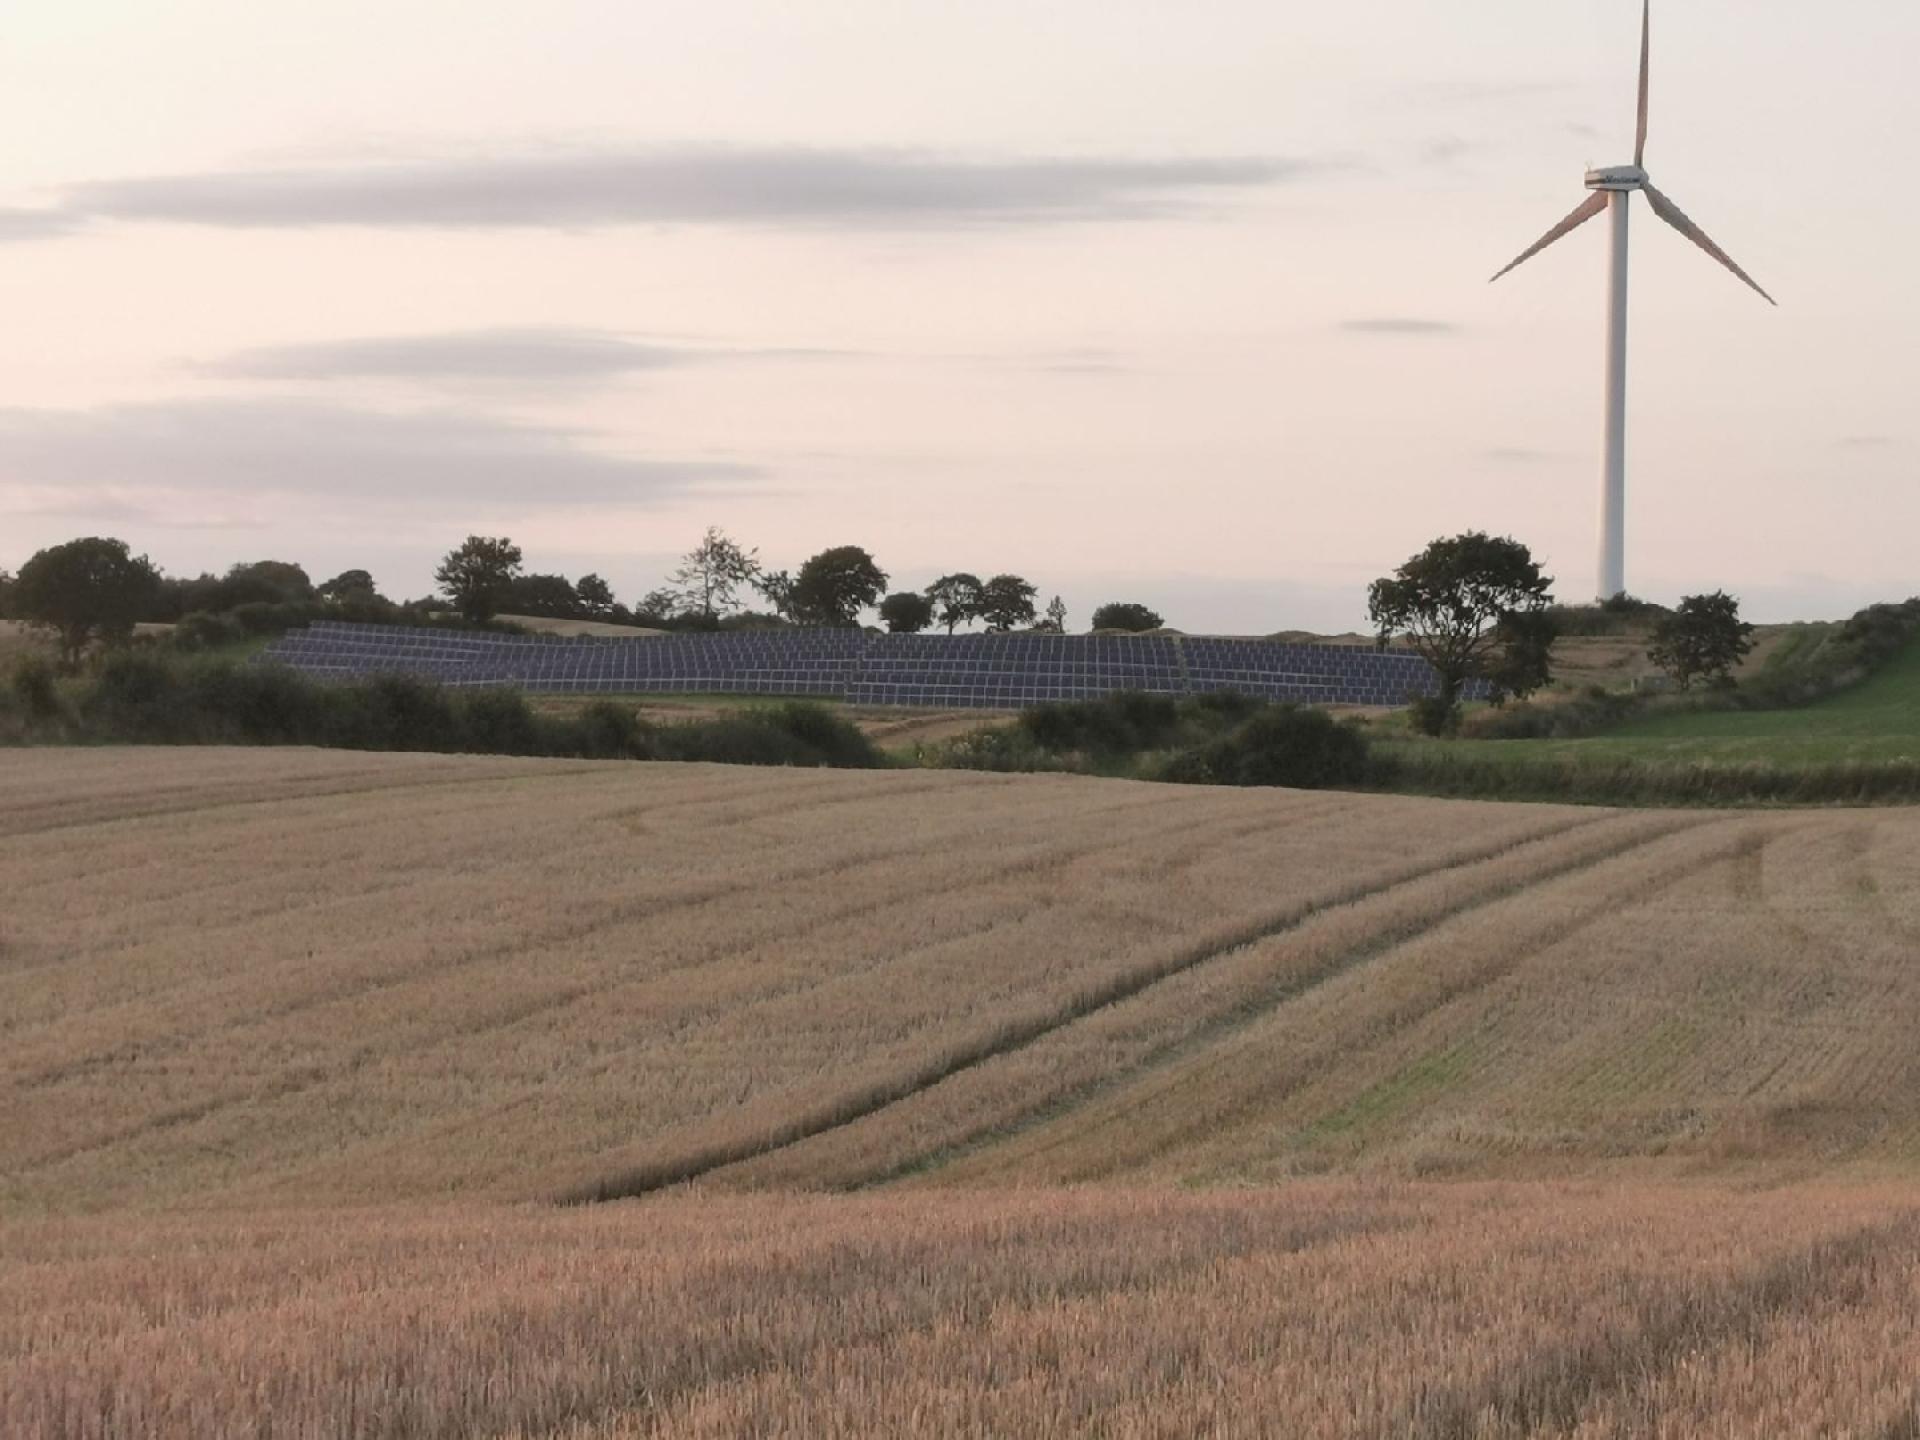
[(1184, 304)]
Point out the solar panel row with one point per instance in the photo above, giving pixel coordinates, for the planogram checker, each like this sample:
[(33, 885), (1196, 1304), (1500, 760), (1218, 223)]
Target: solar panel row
[(996, 671)]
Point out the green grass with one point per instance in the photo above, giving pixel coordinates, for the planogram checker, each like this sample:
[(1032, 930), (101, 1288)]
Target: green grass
[(1875, 721)]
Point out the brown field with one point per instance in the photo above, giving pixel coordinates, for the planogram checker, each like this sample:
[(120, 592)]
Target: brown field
[(299, 1049), (1324, 1309)]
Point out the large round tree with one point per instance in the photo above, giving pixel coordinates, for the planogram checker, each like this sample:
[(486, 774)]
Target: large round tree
[(1472, 606), (835, 586), (84, 591)]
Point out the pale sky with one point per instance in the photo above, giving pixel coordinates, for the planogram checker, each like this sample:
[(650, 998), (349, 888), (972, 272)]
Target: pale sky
[(1178, 303)]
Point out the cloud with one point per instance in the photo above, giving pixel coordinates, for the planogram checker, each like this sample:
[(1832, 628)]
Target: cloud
[(578, 189), (331, 453), (19, 225), (1399, 325), (1520, 455), (538, 354), (1865, 442)]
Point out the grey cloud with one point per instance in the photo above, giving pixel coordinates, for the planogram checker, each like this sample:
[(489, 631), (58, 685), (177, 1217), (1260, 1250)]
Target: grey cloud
[(105, 505), (17, 225), (1865, 442), (1400, 325), (283, 449), (553, 355), (1446, 149), (581, 189)]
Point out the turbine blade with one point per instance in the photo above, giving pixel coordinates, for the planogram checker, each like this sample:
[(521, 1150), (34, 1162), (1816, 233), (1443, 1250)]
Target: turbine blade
[(1676, 217), (1588, 208), (1646, 71)]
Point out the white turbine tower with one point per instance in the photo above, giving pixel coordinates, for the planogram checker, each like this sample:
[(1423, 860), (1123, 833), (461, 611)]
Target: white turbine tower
[(1612, 188)]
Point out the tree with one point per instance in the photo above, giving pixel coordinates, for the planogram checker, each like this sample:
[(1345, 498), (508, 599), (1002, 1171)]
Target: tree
[(85, 590), (6, 595), (476, 576), (777, 586), (1056, 621), (348, 585), (956, 599), (835, 586), (550, 596), (1703, 639), (269, 582), (713, 571), (658, 608), (1125, 615), (594, 595), (1471, 607), (1006, 601), (906, 613)]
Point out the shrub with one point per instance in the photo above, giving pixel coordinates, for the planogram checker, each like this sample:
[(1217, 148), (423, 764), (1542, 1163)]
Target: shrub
[(391, 712), (1127, 720), (500, 722), (35, 687), (605, 730), (268, 617), (834, 738), (1281, 745), (203, 630), (1003, 749), (1433, 715), (1222, 708), (136, 695), (790, 734), (253, 704), (1593, 709)]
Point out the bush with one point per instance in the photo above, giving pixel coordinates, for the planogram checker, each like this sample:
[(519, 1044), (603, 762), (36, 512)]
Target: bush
[(1593, 709), (1128, 720), (500, 722), (391, 712), (36, 688), (136, 696), (203, 630), (250, 704), (1003, 749), (795, 733), (1281, 745), (609, 731), (1433, 715), (1222, 708), (265, 617)]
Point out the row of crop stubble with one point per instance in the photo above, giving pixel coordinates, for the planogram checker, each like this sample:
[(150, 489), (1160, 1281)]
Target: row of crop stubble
[(240, 976), (1323, 1309)]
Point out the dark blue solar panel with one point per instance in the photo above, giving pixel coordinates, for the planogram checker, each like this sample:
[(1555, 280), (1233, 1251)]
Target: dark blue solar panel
[(938, 671)]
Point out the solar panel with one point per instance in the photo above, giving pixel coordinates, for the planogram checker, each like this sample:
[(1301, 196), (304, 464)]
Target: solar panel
[(932, 671)]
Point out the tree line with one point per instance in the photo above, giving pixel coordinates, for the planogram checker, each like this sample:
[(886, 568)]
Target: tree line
[(1474, 606), (95, 590)]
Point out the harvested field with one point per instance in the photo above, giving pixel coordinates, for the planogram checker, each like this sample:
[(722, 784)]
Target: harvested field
[(1323, 1310), (300, 1048), (228, 977)]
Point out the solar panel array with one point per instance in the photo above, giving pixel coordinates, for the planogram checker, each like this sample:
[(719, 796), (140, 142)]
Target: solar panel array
[(1312, 674), (1010, 671), (941, 671)]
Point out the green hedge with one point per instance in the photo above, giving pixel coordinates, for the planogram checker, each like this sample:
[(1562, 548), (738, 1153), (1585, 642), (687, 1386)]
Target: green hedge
[(151, 697)]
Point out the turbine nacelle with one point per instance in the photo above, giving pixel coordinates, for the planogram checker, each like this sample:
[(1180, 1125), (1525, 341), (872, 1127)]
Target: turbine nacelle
[(1617, 177)]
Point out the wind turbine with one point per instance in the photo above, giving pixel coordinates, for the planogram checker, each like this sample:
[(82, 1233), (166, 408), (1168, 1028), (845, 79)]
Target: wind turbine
[(1612, 188)]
